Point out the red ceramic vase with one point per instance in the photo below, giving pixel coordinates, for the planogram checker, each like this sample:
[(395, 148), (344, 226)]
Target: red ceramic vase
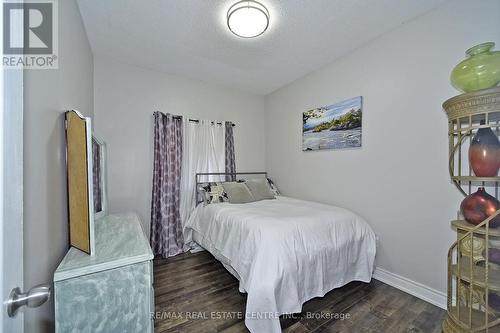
[(478, 206), (484, 153)]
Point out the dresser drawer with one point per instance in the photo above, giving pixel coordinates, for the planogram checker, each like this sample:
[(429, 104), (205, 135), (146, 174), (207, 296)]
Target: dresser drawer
[(116, 300)]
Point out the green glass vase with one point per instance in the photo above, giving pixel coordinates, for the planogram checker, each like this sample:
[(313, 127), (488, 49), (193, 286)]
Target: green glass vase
[(481, 69)]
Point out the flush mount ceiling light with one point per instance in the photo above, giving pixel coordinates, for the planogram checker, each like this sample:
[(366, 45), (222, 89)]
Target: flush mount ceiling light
[(248, 19)]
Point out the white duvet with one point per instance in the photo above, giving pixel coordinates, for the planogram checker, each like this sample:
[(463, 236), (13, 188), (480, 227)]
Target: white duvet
[(284, 252)]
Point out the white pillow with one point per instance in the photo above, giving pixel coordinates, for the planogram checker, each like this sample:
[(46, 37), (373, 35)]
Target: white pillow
[(238, 192), (260, 189)]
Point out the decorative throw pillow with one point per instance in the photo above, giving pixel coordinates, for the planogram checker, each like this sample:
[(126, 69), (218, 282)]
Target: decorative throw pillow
[(260, 189), (214, 193), (238, 192), (273, 187)]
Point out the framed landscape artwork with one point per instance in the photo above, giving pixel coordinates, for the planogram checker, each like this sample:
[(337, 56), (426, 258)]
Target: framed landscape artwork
[(335, 126)]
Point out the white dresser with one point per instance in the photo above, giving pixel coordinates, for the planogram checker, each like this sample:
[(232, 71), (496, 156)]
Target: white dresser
[(111, 291)]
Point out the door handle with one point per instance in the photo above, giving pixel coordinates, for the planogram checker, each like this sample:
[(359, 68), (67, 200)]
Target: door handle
[(35, 297)]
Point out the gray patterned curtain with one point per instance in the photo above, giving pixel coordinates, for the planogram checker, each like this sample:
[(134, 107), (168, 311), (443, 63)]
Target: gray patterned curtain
[(230, 159), (166, 230)]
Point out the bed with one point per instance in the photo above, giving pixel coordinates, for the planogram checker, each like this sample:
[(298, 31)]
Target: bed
[(284, 252)]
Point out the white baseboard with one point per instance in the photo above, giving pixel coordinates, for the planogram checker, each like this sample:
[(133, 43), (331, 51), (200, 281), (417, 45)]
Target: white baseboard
[(411, 287)]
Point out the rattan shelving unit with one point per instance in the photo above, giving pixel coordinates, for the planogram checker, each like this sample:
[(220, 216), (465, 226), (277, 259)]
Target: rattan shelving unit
[(472, 278)]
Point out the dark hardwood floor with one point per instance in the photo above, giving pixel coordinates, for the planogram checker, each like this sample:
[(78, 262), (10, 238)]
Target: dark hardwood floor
[(194, 293)]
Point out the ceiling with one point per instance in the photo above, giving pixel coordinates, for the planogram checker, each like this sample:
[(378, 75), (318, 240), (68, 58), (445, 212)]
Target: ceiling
[(190, 38)]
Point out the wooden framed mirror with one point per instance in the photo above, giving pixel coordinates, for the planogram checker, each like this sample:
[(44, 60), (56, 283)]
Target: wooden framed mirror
[(79, 161)]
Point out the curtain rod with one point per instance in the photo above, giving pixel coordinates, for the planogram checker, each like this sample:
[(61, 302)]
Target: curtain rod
[(197, 120)]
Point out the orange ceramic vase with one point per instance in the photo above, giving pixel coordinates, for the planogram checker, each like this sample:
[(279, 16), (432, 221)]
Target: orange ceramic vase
[(484, 153)]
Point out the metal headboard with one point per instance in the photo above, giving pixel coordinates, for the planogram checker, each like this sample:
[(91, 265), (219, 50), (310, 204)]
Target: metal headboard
[(228, 176)]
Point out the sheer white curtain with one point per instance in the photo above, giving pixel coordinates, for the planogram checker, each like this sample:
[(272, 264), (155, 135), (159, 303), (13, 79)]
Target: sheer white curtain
[(204, 151)]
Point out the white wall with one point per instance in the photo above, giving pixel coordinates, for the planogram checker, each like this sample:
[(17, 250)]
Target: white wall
[(398, 181), (47, 94), (125, 98)]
